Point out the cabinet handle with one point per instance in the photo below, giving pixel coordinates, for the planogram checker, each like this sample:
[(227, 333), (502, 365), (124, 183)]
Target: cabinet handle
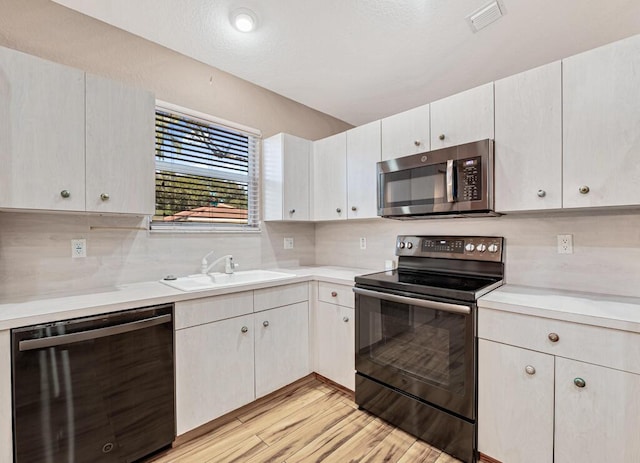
[(345, 319), (265, 323), (530, 370), (579, 382), (542, 193), (244, 329), (416, 142), (353, 208), (584, 189), (292, 211), (334, 294), (441, 137), (104, 196), (338, 210), (553, 337), (65, 193)]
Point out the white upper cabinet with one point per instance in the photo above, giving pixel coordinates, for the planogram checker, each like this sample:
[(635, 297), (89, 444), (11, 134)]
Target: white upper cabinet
[(330, 178), (406, 133), (41, 134), (363, 152), (286, 177), (462, 118), (119, 148), (528, 140), (601, 106)]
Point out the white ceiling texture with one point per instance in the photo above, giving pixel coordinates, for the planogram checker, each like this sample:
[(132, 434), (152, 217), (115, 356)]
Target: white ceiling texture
[(361, 60)]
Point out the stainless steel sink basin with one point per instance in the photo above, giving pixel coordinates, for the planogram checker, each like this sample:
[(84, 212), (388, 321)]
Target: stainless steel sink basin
[(201, 282)]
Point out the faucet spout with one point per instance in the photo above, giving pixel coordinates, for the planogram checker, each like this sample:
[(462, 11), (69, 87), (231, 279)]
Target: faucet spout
[(229, 265)]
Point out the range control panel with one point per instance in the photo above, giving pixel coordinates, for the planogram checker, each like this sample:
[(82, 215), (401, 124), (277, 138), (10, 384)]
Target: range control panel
[(485, 248)]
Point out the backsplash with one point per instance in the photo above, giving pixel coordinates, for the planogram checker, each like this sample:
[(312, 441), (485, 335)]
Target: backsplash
[(35, 252), (606, 256)]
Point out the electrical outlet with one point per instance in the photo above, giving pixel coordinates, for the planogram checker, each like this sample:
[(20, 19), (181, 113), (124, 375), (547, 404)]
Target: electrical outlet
[(288, 243), (565, 244), (79, 248), (363, 243)]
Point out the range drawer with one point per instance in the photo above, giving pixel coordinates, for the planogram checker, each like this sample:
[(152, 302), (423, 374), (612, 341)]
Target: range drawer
[(279, 296), (587, 343), (336, 294), (211, 309)]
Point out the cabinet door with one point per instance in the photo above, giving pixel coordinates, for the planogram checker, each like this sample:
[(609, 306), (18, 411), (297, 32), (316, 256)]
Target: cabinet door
[(120, 137), (335, 338), (363, 152), (6, 425), (41, 134), (214, 370), (462, 118), (406, 133), (515, 407), (528, 143), (600, 421), (600, 126), (282, 346), (330, 178)]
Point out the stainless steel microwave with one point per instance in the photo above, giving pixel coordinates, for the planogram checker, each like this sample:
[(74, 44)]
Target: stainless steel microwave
[(454, 181)]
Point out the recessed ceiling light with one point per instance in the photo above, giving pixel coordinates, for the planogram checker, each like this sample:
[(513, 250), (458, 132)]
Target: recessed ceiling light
[(244, 20)]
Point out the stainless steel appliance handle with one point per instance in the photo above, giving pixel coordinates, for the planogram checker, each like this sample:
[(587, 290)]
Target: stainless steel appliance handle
[(31, 344), (450, 193), (443, 306)]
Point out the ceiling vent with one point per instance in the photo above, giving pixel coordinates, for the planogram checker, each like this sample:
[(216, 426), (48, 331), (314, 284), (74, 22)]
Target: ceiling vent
[(484, 16)]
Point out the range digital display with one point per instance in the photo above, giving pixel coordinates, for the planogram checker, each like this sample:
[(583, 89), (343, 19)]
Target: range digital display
[(449, 246)]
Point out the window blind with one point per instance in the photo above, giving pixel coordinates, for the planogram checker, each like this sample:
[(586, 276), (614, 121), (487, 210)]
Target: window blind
[(206, 174)]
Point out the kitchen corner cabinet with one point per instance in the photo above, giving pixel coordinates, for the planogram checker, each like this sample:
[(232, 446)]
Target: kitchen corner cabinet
[(601, 120), (528, 140), (334, 333), (363, 152), (120, 137), (463, 117), (556, 391), (406, 133), (71, 141), (330, 178), (42, 130), (286, 177)]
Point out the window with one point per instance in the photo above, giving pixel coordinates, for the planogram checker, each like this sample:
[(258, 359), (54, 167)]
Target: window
[(206, 172)]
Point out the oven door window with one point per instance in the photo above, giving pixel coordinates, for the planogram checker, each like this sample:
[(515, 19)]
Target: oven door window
[(425, 352), (415, 187)]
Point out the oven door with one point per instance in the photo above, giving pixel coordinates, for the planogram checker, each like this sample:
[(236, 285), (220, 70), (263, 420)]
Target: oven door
[(425, 348)]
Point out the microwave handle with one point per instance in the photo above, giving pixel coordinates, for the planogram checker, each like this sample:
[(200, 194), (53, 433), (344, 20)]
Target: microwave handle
[(450, 179)]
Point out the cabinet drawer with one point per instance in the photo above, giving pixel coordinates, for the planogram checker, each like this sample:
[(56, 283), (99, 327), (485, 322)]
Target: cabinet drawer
[(279, 296), (601, 346), (336, 294), (211, 309)]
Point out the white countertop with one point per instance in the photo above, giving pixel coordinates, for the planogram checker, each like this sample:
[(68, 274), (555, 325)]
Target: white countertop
[(44, 309), (610, 311)]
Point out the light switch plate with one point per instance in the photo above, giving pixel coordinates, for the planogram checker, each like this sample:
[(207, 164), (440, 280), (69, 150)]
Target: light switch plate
[(79, 248), (288, 243)]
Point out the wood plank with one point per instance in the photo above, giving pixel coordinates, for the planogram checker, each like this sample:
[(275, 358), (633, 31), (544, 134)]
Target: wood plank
[(391, 448), (444, 458), (422, 452), (361, 443), (241, 452)]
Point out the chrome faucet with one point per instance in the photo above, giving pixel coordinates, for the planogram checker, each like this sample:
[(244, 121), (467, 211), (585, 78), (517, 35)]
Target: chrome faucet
[(229, 265)]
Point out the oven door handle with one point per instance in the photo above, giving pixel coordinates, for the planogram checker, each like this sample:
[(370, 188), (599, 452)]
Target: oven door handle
[(443, 306)]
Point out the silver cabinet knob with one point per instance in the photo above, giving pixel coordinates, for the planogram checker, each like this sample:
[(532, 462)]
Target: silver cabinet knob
[(292, 211), (579, 382), (553, 337), (265, 323), (334, 294), (104, 196), (65, 193), (542, 193), (441, 137), (244, 329), (353, 208), (338, 210), (530, 370), (584, 189), (345, 319), (417, 142)]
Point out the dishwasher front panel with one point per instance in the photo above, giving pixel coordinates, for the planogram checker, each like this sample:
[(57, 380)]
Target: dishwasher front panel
[(99, 389)]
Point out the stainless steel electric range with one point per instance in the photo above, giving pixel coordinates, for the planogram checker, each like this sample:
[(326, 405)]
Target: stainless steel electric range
[(416, 340)]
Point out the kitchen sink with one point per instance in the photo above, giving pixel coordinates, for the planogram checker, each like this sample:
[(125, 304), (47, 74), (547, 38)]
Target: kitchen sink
[(202, 282)]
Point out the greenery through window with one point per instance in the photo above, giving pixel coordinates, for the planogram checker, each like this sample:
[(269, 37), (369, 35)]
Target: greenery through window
[(206, 174)]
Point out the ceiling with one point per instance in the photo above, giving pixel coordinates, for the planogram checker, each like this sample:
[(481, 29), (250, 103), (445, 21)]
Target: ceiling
[(361, 60)]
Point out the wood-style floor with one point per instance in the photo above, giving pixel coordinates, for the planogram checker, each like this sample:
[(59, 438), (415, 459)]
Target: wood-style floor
[(314, 422)]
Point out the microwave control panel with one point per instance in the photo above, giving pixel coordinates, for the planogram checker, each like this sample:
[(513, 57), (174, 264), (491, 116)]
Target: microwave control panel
[(470, 179)]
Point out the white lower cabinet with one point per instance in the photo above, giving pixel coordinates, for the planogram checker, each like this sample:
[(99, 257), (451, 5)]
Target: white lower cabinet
[(536, 405), (281, 346)]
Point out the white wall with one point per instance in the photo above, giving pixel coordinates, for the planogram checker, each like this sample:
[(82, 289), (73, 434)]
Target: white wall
[(606, 256)]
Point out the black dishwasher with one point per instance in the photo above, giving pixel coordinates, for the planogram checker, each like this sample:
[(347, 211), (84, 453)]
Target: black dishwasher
[(94, 389)]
